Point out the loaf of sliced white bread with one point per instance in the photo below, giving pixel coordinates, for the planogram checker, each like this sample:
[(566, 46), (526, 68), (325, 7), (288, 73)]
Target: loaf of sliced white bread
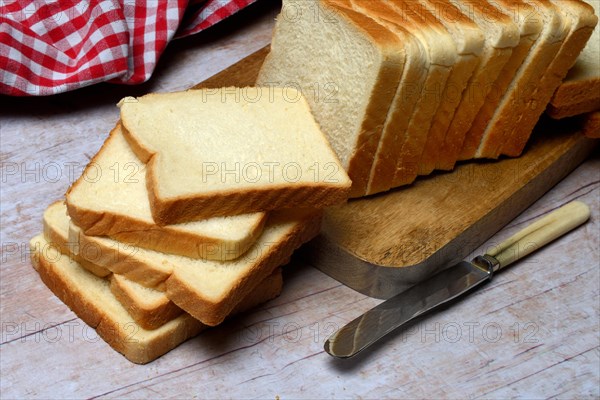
[(579, 93), (502, 85)]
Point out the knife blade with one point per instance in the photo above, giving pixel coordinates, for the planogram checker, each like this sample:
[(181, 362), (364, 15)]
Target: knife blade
[(452, 282)]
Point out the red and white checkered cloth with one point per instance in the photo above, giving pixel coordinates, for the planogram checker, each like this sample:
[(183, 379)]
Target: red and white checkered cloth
[(49, 47)]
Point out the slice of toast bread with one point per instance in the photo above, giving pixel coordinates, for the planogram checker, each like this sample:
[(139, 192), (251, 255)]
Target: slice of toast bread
[(268, 152), (469, 39), (519, 101), (110, 199), (91, 299), (530, 28), (502, 36), (442, 51)]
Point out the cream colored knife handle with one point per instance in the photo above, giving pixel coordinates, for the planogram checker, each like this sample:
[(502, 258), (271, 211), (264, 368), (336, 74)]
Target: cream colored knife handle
[(541, 232)]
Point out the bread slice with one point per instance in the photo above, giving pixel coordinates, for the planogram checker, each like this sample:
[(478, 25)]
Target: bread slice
[(406, 97), (56, 231), (530, 28), (469, 41), (441, 50), (110, 199), (229, 151), (151, 308), (580, 20), (91, 299), (520, 100), (580, 91), (354, 69), (566, 110), (502, 36), (207, 289)]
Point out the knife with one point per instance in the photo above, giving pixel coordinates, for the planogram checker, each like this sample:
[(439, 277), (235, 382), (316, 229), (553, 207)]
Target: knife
[(452, 282)]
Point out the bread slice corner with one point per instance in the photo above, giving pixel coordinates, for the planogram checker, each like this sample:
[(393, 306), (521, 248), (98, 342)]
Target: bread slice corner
[(211, 300), (56, 231)]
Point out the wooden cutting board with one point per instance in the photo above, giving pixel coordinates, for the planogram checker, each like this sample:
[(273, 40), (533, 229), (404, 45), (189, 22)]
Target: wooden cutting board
[(383, 244)]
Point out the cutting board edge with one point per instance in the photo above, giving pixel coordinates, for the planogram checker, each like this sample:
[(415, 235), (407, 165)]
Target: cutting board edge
[(384, 281)]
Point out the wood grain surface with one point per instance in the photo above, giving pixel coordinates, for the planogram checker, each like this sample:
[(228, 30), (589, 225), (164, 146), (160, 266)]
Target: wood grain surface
[(531, 333)]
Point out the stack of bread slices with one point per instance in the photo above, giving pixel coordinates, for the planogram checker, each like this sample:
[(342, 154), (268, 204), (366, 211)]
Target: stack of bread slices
[(187, 212), (405, 87)]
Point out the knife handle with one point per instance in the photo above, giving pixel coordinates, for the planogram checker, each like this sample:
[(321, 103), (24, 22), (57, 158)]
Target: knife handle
[(540, 233)]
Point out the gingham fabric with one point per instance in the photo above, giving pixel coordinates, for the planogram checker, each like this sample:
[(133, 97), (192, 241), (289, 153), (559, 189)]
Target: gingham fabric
[(49, 47)]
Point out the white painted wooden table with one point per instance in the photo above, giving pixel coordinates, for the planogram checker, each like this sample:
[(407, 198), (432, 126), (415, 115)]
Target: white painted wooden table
[(533, 332)]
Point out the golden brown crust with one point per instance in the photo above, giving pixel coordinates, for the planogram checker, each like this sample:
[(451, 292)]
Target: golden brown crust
[(475, 133), (212, 312), (518, 102), (457, 81), (453, 91), (468, 109), (486, 112), (148, 317), (570, 110), (591, 125), (234, 202), (119, 259), (409, 157), (403, 103), (61, 241), (575, 98)]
